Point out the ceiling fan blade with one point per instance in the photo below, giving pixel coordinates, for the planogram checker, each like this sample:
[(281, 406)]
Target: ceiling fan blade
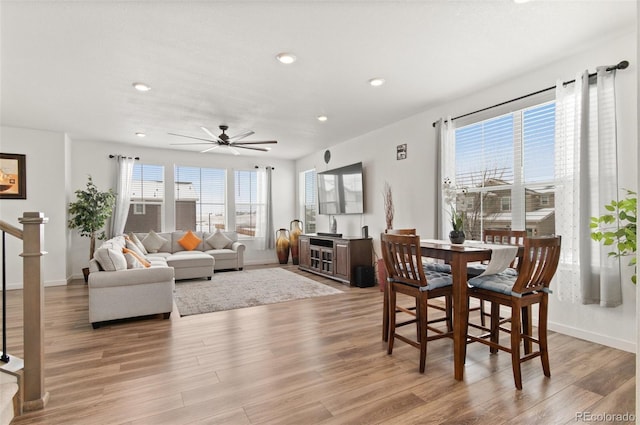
[(252, 148), (210, 149), (256, 143), (187, 144), (242, 135), (235, 151), (191, 137), (216, 138)]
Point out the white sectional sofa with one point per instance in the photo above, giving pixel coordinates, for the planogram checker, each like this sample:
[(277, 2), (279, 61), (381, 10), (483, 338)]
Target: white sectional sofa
[(139, 280)]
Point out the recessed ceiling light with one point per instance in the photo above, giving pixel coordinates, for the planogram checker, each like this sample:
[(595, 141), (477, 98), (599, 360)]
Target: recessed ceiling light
[(141, 87), (521, 1), (286, 58), (140, 134), (376, 82), (322, 118)]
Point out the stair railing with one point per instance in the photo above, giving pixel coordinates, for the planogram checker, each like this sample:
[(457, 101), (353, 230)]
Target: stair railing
[(32, 236)]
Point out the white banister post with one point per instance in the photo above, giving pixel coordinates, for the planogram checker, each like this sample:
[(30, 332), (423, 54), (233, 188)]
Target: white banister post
[(35, 397)]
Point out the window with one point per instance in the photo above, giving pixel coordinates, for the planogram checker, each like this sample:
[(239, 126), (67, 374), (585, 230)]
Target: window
[(246, 196), (308, 184), (506, 165), (200, 198), (147, 199)]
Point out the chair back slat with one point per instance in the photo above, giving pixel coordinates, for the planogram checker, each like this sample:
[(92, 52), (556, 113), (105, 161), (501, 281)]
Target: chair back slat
[(400, 231), (402, 258), (505, 237), (539, 264)]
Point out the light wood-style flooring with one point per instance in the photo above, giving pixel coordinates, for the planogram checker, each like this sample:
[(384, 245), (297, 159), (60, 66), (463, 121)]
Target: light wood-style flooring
[(312, 361)]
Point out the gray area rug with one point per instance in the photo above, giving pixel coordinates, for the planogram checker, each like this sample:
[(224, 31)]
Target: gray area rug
[(247, 288)]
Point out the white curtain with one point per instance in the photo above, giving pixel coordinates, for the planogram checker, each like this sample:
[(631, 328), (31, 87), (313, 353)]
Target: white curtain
[(124, 177), (586, 180), (265, 231), (446, 145)]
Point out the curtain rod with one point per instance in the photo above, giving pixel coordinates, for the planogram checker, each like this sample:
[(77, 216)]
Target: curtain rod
[(257, 166), (621, 65), (136, 158)]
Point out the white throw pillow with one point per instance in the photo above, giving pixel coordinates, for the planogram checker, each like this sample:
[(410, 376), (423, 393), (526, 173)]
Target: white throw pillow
[(153, 242), (132, 262), (133, 247), (136, 241), (219, 240), (110, 259)]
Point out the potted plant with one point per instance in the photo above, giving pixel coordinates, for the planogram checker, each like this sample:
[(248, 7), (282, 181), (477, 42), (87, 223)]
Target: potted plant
[(457, 234), (618, 229), (89, 214)]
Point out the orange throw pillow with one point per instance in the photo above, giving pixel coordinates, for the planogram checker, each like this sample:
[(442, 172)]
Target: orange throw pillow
[(141, 260), (189, 241)]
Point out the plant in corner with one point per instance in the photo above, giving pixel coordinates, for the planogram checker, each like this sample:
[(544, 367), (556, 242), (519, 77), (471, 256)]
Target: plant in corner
[(90, 212), (388, 205), (618, 229)]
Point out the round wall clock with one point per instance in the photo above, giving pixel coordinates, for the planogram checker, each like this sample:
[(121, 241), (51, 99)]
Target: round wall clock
[(327, 156)]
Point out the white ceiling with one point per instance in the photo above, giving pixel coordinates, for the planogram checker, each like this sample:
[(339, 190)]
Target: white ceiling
[(68, 66)]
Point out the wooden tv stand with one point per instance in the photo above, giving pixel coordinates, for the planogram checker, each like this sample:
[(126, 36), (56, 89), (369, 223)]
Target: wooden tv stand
[(335, 257)]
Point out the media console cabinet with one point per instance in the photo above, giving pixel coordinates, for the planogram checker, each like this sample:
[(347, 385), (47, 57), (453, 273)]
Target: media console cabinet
[(335, 257)]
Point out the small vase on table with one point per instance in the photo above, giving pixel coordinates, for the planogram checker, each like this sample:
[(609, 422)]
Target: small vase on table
[(457, 236)]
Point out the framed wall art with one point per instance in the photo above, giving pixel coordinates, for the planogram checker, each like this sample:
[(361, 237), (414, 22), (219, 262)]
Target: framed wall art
[(13, 176), (401, 151)]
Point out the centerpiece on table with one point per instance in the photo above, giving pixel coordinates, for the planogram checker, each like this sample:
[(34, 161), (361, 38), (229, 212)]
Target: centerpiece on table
[(457, 216)]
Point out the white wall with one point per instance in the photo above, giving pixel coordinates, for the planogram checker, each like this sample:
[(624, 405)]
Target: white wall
[(46, 169), (91, 157), (414, 184)]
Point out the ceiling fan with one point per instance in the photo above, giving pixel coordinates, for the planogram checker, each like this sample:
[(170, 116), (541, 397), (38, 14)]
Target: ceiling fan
[(230, 142)]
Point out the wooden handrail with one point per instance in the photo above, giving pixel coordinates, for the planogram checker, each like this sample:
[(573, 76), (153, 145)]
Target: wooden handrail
[(12, 230)]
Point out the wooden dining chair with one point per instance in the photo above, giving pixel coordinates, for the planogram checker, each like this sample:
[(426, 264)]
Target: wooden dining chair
[(501, 237), (519, 292), (406, 275)]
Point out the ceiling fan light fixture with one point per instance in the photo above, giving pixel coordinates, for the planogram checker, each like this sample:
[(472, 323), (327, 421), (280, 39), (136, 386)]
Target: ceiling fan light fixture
[(322, 118), (142, 87), (286, 58), (376, 82)]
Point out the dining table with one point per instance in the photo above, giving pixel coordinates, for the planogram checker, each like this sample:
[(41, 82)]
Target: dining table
[(457, 256)]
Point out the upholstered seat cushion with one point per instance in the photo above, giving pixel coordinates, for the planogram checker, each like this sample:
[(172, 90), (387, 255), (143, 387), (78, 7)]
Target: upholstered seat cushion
[(436, 279), (501, 282), (188, 259), (474, 270), (223, 254)]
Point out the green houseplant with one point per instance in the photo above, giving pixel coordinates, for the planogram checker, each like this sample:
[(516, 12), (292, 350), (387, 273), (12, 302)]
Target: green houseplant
[(90, 212), (622, 239)]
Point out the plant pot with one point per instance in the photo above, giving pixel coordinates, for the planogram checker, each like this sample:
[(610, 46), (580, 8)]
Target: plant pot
[(85, 273), (457, 236)]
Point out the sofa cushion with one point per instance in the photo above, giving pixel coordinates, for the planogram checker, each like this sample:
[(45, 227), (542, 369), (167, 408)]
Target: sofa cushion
[(133, 238), (110, 259), (153, 242), (189, 241), (130, 245), (222, 254), (132, 261), (190, 259), (219, 240), (139, 258)]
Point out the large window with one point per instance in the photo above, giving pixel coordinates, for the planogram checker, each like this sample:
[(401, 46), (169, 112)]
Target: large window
[(246, 200), (147, 199), (200, 198), (506, 166), (308, 196)]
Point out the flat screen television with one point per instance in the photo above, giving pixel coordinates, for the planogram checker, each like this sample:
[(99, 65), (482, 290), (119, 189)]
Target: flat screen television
[(340, 191)]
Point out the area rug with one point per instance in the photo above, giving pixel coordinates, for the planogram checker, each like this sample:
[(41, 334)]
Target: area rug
[(248, 288)]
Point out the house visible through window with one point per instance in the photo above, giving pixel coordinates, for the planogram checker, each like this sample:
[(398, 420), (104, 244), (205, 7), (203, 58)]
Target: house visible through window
[(200, 198), (506, 165), (147, 199)]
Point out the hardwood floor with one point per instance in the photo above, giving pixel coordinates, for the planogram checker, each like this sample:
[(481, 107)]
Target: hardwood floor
[(312, 361)]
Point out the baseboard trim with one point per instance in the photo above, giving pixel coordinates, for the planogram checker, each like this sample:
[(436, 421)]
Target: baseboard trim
[(18, 285), (619, 344)]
